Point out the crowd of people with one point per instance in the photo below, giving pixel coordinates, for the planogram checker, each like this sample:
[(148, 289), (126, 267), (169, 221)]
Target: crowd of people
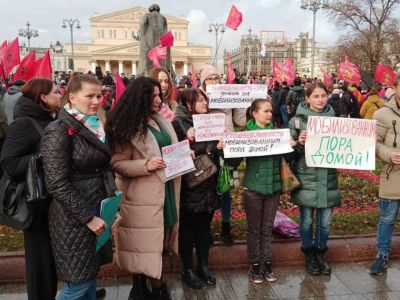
[(93, 145)]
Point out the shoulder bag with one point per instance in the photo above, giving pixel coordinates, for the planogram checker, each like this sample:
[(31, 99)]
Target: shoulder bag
[(205, 168), (20, 199)]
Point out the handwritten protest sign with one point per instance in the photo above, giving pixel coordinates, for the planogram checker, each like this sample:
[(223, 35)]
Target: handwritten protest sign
[(340, 143), (208, 127), (177, 159), (257, 143), (235, 95)]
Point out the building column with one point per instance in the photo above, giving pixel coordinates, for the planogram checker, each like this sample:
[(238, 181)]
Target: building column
[(94, 65), (134, 71), (108, 66), (173, 66), (185, 68), (120, 67)]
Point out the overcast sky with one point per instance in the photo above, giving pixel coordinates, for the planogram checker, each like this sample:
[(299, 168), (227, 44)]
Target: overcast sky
[(46, 16)]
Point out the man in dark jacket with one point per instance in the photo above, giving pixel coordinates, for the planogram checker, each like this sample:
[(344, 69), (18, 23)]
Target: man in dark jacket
[(348, 107), (334, 99), (295, 96), (11, 97), (282, 103), (276, 110)]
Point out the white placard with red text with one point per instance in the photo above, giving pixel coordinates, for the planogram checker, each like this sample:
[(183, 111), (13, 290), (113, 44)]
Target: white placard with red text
[(208, 127), (235, 95), (177, 159)]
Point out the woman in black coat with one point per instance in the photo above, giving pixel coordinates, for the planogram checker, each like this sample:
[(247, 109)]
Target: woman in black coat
[(39, 101), (76, 161), (198, 203)]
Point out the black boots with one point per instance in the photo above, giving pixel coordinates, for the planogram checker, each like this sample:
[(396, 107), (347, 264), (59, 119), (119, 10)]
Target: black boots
[(191, 279), (226, 234), (323, 265), (139, 290), (204, 273), (311, 261), (161, 293)]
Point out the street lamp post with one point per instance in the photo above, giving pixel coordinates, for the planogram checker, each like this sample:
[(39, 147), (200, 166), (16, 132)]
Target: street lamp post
[(249, 48), (29, 33), (314, 6), (71, 23), (216, 27)]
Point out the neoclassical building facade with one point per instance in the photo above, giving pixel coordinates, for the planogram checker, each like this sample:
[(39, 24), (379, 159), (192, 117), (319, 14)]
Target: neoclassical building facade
[(113, 45)]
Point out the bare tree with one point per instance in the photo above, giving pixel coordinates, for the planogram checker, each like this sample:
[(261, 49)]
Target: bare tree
[(371, 31)]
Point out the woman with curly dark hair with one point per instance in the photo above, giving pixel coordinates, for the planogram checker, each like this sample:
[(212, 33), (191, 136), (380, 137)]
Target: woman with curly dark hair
[(147, 225)]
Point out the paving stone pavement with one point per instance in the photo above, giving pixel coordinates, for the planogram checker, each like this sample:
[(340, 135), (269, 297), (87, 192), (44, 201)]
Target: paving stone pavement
[(348, 281)]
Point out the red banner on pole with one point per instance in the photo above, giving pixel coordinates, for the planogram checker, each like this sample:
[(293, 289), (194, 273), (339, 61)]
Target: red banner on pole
[(283, 72), (167, 40), (26, 69), (10, 56), (384, 75), (234, 19), (156, 54), (231, 72), (193, 78), (43, 66), (327, 79), (349, 72)]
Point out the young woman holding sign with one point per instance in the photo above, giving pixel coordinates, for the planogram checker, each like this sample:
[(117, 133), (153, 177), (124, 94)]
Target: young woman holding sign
[(197, 203), (319, 191), (148, 223)]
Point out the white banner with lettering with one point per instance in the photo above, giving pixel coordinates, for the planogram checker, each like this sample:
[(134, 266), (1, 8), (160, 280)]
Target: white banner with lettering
[(235, 95), (209, 127), (257, 143), (340, 143), (177, 159)]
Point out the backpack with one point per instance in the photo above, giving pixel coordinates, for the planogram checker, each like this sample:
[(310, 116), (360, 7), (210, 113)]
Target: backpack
[(298, 98)]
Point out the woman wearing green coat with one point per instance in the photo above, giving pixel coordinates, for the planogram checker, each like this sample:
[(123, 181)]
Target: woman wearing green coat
[(319, 191)]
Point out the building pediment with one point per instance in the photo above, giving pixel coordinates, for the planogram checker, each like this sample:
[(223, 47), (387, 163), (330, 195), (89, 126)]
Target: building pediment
[(120, 49), (133, 15)]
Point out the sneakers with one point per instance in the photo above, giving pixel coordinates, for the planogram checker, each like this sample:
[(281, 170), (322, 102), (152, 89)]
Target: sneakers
[(379, 266), (267, 272), (255, 274)]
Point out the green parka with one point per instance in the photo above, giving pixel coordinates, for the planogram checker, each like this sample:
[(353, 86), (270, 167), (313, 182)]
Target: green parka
[(319, 186), (262, 173)]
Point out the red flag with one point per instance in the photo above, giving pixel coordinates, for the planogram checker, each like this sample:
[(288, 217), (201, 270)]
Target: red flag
[(193, 78), (26, 69), (349, 72), (156, 54), (43, 66), (10, 56), (384, 75), (235, 18), (3, 45), (167, 40), (231, 72), (283, 72), (119, 87), (327, 78)]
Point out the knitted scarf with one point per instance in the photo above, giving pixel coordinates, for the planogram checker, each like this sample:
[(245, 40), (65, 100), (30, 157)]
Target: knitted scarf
[(91, 122)]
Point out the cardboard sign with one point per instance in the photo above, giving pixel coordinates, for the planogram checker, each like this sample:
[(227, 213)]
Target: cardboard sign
[(209, 127), (340, 143), (235, 95), (257, 143), (177, 159)]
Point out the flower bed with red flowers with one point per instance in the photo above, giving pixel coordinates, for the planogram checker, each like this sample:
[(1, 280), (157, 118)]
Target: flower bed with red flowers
[(357, 214)]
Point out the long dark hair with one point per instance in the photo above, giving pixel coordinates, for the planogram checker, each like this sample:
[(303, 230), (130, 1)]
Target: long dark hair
[(188, 98), (132, 112)]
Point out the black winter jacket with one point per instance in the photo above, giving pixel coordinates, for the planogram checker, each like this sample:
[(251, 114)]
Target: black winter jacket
[(23, 140), (78, 176), (334, 101), (202, 198)]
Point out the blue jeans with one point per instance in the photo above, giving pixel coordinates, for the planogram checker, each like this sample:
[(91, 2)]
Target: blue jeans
[(320, 238), (285, 115), (79, 291), (388, 216), (226, 207)]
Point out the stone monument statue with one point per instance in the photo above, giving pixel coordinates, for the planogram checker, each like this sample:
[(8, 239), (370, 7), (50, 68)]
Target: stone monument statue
[(152, 26)]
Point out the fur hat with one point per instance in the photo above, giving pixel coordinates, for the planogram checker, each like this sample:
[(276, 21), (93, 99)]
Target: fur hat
[(206, 71)]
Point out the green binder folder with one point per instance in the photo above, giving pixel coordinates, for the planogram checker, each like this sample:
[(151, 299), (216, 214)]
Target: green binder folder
[(108, 212)]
